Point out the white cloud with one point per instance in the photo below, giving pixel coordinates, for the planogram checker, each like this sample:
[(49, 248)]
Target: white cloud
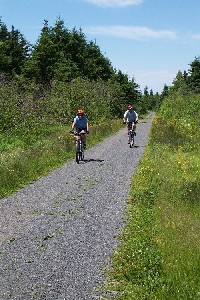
[(121, 3), (131, 32), (196, 36)]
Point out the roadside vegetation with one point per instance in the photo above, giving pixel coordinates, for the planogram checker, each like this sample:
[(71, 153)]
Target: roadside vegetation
[(41, 87), (158, 257), (26, 158)]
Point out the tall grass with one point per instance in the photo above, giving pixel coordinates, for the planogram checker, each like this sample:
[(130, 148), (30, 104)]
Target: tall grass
[(27, 154), (159, 254)]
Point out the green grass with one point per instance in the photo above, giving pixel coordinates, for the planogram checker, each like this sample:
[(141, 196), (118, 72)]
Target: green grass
[(159, 253), (29, 153)]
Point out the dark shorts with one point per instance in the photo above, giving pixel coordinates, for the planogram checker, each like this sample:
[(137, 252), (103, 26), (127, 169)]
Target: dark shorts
[(131, 125), (80, 129)]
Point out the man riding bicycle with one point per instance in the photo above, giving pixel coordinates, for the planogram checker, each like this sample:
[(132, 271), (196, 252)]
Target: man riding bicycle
[(80, 122), (131, 118)]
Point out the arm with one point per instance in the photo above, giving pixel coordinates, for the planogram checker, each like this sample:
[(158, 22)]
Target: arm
[(136, 116), (73, 124), (125, 117)]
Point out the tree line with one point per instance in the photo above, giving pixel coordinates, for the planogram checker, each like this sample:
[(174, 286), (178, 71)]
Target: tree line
[(60, 72), (186, 82)]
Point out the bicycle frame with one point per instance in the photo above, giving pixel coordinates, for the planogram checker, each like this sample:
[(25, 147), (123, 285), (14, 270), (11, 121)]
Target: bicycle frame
[(79, 146), (131, 133)]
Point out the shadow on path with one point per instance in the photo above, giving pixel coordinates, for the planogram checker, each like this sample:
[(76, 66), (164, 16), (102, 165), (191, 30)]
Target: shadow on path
[(93, 160)]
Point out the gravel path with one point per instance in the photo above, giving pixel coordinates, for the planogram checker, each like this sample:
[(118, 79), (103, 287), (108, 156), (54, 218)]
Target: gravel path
[(58, 233)]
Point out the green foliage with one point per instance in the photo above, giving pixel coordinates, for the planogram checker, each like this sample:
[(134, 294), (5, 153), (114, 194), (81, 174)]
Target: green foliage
[(149, 101), (27, 155), (63, 55), (96, 65), (180, 83), (181, 115), (194, 78), (42, 87), (187, 82), (24, 104), (130, 92), (14, 50), (159, 257)]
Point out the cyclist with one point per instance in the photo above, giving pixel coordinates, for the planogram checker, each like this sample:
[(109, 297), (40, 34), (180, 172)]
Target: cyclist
[(80, 122), (131, 118)]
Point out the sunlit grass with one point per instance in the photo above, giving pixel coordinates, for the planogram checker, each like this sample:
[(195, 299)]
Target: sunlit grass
[(159, 254)]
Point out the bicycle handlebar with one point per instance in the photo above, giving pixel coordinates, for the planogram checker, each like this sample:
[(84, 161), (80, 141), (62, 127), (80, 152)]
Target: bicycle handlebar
[(78, 133)]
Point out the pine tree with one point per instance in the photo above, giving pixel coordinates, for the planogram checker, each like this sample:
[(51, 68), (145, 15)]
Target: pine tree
[(14, 50), (194, 76)]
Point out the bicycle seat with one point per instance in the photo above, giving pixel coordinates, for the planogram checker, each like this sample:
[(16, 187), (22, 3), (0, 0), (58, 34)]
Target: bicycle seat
[(82, 131)]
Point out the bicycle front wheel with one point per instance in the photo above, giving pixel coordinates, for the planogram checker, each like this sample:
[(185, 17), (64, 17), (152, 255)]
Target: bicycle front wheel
[(78, 158), (131, 139), (82, 154)]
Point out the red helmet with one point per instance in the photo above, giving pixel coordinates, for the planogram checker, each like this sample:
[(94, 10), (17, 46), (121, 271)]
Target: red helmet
[(80, 112), (130, 107)]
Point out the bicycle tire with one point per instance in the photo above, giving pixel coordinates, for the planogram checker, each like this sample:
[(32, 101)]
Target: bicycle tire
[(82, 155), (132, 143), (80, 150), (77, 152), (132, 139), (129, 138)]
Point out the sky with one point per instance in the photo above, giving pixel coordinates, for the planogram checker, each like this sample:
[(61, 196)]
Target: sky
[(149, 40)]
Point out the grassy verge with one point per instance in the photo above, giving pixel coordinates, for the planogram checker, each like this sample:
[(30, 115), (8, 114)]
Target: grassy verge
[(28, 154), (159, 257)]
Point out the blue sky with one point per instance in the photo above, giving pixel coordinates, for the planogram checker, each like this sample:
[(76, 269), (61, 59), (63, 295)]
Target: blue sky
[(150, 40)]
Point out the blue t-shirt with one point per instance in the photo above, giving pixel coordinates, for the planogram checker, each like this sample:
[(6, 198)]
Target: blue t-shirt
[(80, 123)]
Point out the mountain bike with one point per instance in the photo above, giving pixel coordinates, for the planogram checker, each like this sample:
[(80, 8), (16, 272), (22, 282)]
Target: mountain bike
[(131, 137), (79, 148), (131, 134)]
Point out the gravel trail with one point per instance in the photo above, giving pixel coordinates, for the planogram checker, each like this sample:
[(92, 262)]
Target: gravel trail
[(57, 234)]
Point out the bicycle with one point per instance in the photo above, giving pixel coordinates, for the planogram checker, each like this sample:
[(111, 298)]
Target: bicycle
[(131, 134), (79, 149)]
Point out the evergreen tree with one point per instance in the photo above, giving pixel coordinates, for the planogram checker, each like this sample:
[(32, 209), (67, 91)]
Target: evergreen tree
[(129, 87), (194, 76), (14, 50), (19, 50), (67, 65), (152, 100), (164, 94), (180, 83), (43, 57), (146, 92), (96, 65), (5, 59), (64, 55)]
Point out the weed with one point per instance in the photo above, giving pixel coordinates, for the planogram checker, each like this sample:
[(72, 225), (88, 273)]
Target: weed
[(24, 158), (159, 258)]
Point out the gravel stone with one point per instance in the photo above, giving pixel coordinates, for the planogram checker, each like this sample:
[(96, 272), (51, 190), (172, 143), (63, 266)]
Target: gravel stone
[(57, 234)]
